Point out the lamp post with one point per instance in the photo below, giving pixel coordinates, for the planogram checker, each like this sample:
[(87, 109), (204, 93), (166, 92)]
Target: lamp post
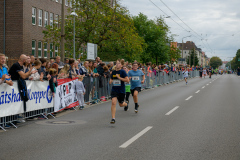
[(182, 46), (74, 14)]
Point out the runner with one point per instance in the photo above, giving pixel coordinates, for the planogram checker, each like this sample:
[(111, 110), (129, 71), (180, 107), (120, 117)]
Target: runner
[(201, 71), (204, 72), (135, 75), (185, 75), (118, 77), (210, 72), (127, 87)]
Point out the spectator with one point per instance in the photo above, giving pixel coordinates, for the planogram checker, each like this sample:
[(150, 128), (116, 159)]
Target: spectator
[(67, 61), (32, 60), (60, 64), (53, 81), (76, 67), (84, 69), (36, 76), (72, 72), (106, 72), (55, 66), (80, 91), (100, 69), (16, 70), (64, 73), (97, 59), (111, 65), (3, 71), (42, 70), (26, 65), (79, 63), (48, 66), (95, 69), (51, 61)]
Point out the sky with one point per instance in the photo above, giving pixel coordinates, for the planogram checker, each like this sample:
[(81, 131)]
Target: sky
[(214, 25)]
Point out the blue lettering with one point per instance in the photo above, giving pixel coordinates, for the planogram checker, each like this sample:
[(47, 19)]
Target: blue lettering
[(49, 100)]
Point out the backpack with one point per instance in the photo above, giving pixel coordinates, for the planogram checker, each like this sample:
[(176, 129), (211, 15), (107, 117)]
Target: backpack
[(22, 87)]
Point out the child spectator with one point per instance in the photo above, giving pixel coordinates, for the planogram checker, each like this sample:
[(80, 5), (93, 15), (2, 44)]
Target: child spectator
[(53, 81), (80, 91), (36, 76)]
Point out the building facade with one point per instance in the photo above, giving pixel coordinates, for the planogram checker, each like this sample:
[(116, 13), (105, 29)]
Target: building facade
[(25, 21)]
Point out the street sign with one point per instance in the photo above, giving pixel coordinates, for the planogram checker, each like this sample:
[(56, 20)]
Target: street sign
[(91, 51)]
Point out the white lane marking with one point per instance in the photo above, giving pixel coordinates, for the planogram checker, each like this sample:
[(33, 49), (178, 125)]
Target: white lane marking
[(189, 98), (210, 82), (197, 91), (130, 141), (203, 87), (207, 84), (170, 112)]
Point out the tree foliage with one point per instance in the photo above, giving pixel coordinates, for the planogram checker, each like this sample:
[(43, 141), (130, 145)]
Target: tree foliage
[(111, 28), (193, 58), (155, 35), (215, 62)]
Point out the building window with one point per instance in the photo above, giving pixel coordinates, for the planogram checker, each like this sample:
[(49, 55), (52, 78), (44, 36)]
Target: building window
[(70, 3), (66, 2), (56, 50), (56, 19), (51, 50), (33, 47), (39, 17), (39, 49), (45, 49), (46, 19), (34, 16), (56, 0), (51, 20)]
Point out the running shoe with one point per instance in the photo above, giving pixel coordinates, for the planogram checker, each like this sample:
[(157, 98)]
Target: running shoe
[(126, 107), (136, 109), (112, 121)]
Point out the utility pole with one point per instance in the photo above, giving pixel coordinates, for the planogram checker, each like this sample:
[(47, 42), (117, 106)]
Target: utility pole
[(62, 32), (194, 54)]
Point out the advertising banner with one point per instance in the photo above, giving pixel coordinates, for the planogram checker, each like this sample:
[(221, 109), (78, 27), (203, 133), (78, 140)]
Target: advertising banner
[(10, 102), (65, 96), (40, 95)]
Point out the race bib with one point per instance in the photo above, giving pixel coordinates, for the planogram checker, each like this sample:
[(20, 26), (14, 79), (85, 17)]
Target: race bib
[(116, 83), (127, 83), (135, 78)]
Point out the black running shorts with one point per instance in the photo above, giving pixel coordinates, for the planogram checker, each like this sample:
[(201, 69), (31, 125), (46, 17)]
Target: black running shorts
[(120, 96), (135, 89)]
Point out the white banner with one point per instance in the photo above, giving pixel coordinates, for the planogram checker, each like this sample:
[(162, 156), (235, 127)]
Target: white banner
[(40, 95), (10, 102), (65, 96)]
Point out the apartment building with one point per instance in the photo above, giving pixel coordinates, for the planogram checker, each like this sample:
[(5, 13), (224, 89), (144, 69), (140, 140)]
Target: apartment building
[(24, 22)]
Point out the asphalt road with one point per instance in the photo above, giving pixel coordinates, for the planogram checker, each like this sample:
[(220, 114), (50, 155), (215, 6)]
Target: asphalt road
[(198, 121)]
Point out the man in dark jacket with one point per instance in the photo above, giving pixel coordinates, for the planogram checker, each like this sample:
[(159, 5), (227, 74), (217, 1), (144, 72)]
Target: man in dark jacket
[(100, 69), (42, 69)]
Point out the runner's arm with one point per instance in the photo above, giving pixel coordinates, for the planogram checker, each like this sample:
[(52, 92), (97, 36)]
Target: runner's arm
[(111, 80), (126, 79)]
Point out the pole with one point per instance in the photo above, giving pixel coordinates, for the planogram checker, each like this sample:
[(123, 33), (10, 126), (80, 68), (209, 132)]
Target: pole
[(4, 27), (194, 55), (62, 32), (74, 37), (182, 51)]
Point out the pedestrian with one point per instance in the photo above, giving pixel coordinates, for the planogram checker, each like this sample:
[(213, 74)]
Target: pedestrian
[(36, 76), (185, 75), (80, 91), (118, 77), (53, 81), (204, 72), (201, 71), (3, 71), (135, 76)]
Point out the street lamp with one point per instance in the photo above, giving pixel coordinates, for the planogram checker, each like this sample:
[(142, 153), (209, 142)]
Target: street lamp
[(182, 46), (74, 14)]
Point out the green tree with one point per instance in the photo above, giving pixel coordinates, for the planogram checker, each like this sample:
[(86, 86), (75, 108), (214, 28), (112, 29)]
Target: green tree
[(111, 28), (215, 62), (193, 55), (155, 35)]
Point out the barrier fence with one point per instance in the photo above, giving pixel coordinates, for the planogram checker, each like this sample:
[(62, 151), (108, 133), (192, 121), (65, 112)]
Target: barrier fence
[(42, 103)]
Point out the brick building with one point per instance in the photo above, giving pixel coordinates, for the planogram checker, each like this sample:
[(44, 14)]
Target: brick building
[(25, 21)]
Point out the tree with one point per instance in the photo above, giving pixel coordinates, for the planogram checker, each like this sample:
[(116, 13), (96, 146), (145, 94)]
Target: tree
[(111, 28), (215, 62), (155, 35), (192, 55)]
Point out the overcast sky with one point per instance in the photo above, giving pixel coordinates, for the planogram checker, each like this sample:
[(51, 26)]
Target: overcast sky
[(216, 22)]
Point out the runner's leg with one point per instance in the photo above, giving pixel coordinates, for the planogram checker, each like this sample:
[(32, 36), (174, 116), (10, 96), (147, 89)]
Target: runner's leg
[(113, 107)]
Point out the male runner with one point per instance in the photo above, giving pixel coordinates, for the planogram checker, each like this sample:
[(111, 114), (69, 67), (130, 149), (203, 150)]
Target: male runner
[(210, 72), (200, 71), (185, 75), (136, 82), (118, 77)]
